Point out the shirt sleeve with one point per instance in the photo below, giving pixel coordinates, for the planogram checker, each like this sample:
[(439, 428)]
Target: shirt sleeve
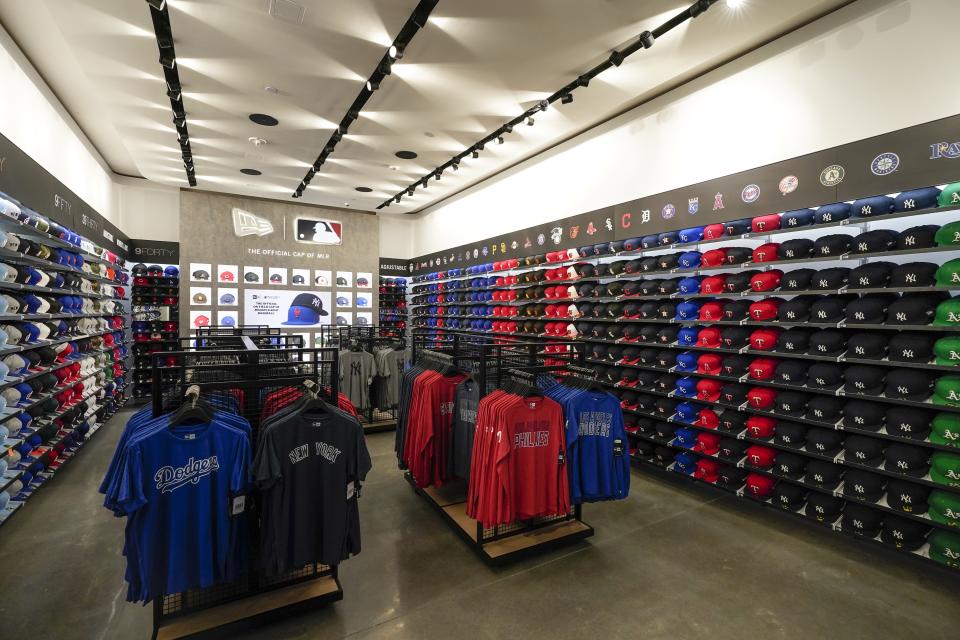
[(364, 464), (266, 465), (130, 494)]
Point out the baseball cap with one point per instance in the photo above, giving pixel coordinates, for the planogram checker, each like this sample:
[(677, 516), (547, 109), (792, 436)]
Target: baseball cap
[(875, 241), (907, 459), (305, 309), (832, 213), (797, 218), (795, 249), (861, 520), (945, 429), (908, 422), (226, 276), (945, 468), (945, 548), (871, 207), (903, 533), (913, 199), (907, 496), (944, 506), (863, 450), (871, 275), (738, 227), (823, 474), (766, 252), (762, 457), (948, 234), (789, 496), (790, 465), (864, 379), (769, 222), (693, 234), (950, 195), (227, 298), (758, 485)]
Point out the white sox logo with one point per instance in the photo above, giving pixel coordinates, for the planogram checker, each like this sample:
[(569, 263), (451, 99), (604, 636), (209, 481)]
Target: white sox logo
[(171, 478)]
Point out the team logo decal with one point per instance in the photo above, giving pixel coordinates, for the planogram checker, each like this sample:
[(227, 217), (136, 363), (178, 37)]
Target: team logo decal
[(591, 229), (608, 223), (885, 164), (693, 205), (718, 201), (789, 184), (668, 211), (750, 193), (485, 251), (527, 243), (514, 244), (574, 231), (476, 253), (832, 175), (949, 150), (541, 239), (503, 247), (556, 234)]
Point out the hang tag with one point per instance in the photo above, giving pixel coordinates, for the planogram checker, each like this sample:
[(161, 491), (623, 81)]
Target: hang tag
[(190, 436), (239, 504), (560, 458), (618, 447), (351, 490)]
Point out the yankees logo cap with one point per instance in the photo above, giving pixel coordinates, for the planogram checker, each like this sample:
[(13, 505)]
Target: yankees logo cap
[(875, 241), (646, 287), (920, 274), (795, 340), (909, 497), (796, 309), (870, 309), (650, 310), (911, 347), (872, 207), (663, 456), (791, 434), (864, 379), (864, 450), (862, 485), (907, 459), (921, 308), (758, 485), (795, 249), (826, 409), (920, 237), (665, 430), (914, 199), (823, 474), (790, 465), (861, 520), (797, 218), (911, 384), (305, 309), (903, 533), (832, 213), (791, 403), (648, 333), (833, 278), (824, 441), (863, 415), (791, 372), (714, 231), (789, 496), (831, 245), (831, 309), (872, 275), (944, 507)]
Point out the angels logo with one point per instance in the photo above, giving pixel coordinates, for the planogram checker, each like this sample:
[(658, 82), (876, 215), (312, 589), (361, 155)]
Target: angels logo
[(885, 164), (789, 184), (668, 211), (750, 193), (556, 234), (718, 201), (833, 175), (693, 205)]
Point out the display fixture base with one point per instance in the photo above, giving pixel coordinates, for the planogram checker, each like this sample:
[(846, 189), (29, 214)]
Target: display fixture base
[(379, 425), (230, 617), (450, 502)]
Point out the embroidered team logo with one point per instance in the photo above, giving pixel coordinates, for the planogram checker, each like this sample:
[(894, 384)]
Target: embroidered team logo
[(718, 201), (169, 478), (668, 211), (693, 205), (885, 164), (832, 175), (949, 150), (789, 184), (750, 193)]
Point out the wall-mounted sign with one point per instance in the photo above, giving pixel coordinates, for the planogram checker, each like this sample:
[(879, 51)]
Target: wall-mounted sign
[(155, 251), (317, 230), (249, 224)]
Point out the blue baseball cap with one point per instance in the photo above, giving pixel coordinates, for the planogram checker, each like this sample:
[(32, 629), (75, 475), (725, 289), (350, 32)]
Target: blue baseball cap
[(667, 237), (693, 234), (690, 285), (687, 360), (870, 207), (686, 438), (690, 259), (832, 213), (688, 310), (305, 309), (342, 301), (687, 336), (362, 302), (687, 387), (227, 298), (171, 272), (685, 463), (687, 412), (796, 218), (648, 242), (925, 198), (228, 321)]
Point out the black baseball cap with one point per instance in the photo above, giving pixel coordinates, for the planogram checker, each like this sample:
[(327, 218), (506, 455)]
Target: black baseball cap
[(663, 455), (790, 465), (907, 459), (735, 337), (731, 477), (864, 379), (863, 450), (633, 266), (617, 266), (869, 309), (861, 520), (797, 280), (872, 275), (903, 533), (864, 415), (825, 375), (736, 310), (794, 340), (827, 342), (909, 384), (867, 346), (736, 364), (911, 347), (792, 372), (789, 496), (649, 333), (665, 407), (795, 249), (667, 309), (666, 335), (791, 403), (649, 264), (914, 274), (668, 285), (908, 496), (908, 422), (863, 485), (919, 237), (829, 309), (649, 309), (822, 507), (668, 261), (833, 278), (832, 245), (825, 409), (739, 227), (732, 450), (738, 255), (666, 358), (647, 287), (825, 442), (733, 421), (648, 356), (823, 474), (665, 431), (914, 308), (875, 241), (737, 282)]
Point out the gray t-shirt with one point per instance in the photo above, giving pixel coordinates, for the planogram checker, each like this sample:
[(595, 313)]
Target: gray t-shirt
[(357, 369), (464, 424)]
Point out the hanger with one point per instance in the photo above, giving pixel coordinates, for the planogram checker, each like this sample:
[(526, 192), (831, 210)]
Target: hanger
[(193, 408)]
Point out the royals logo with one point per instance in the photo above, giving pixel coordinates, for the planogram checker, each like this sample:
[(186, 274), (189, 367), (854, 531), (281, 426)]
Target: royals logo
[(718, 201), (789, 184), (668, 211), (949, 150), (750, 193), (169, 478), (885, 164), (833, 175), (693, 205)]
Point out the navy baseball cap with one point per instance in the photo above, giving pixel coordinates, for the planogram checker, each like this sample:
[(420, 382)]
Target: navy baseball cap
[(306, 308), (739, 227), (667, 237), (832, 213), (870, 207), (648, 242), (796, 218), (925, 198)]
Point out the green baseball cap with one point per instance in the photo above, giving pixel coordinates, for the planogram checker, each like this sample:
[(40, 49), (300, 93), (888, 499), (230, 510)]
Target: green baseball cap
[(947, 351), (944, 507), (945, 468), (950, 195), (949, 273), (948, 234), (945, 429), (945, 548), (947, 391), (948, 313)]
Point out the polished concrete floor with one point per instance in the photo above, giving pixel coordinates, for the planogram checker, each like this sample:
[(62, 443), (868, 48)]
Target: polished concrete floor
[(672, 561)]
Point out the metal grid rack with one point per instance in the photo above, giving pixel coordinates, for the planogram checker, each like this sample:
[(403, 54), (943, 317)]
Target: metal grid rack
[(493, 364), (257, 376)]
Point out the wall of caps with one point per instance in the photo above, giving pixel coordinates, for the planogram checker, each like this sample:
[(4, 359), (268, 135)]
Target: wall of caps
[(155, 308), (806, 359), (263, 262), (780, 101), (63, 345)]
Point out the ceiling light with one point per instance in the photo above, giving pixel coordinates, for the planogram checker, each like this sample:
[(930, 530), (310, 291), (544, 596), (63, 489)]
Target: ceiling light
[(583, 81), (646, 39), (264, 119), (529, 121), (178, 121), (373, 85), (455, 166), (410, 191), (395, 53), (363, 189), (567, 98), (346, 204), (480, 146), (425, 183), (157, 4), (734, 4), (475, 154), (438, 174), (384, 67), (251, 172), (499, 139), (167, 58), (255, 141), (173, 94), (406, 155), (544, 105), (397, 199), (508, 128)]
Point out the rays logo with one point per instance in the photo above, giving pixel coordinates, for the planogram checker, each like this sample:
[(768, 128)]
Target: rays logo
[(169, 478), (833, 175), (750, 193), (668, 211), (248, 224), (949, 150), (885, 164), (789, 184)]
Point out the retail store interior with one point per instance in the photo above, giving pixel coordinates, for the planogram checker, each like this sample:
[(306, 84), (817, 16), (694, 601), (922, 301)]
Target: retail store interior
[(452, 319)]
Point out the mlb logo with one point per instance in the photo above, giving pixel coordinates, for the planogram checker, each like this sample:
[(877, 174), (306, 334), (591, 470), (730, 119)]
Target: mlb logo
[(320, 231)]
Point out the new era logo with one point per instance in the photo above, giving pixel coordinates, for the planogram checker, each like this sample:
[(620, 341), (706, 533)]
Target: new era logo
[(248, 224)]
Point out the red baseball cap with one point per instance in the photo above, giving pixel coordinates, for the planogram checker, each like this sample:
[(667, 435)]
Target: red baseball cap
[(550, 292), (712, 310), (708, 443), (766, 252), (711, 363), (762, 457), (713, 258), (769, 222), (765, 309), (550, 310), (759, 485), (761, 426), (761, 397), (708, 419), (707, 470), (713, 284), (764, 339), (714, 231), (709, 337), (226, 276), (708, 390), (762, 368), (766, 280), (201, 321)]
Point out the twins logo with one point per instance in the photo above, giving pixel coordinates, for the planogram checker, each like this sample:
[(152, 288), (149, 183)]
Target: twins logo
[(949, 150), (885, 164), (693, 205), (668, 211), (789, 184), (750, 193), (170, 478)]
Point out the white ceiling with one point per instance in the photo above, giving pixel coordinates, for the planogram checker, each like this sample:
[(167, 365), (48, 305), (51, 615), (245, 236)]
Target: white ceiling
[(475, 66)]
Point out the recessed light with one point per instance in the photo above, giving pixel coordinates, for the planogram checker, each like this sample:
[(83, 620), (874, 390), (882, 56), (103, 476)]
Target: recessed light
[(346, 204), (251, 172), (363, 189), (270, 89), (394, 167), (264, 119), (429, 134), (406, 155)]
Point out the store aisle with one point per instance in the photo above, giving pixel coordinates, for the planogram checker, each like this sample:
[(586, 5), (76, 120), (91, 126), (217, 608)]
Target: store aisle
[(664, 564)]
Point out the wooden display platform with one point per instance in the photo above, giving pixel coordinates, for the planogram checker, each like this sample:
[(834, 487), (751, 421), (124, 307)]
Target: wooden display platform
[(379, 425), (222, 620), (450, 501)]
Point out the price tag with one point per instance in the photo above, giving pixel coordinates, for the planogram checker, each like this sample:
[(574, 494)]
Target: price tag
[(239, 504), (351, 490)]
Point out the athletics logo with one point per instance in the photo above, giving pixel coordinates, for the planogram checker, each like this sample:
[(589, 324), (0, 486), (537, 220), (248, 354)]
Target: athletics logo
[(170, 478), (832, 175), (668, 211), (750, 193), (885, 164), (789, 184)]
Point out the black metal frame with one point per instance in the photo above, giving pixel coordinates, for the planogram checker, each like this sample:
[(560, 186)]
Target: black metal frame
[(242, 364)]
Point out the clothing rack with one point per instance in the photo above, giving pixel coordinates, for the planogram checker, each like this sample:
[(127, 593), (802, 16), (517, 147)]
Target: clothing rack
[(251, 373), (496, 365)]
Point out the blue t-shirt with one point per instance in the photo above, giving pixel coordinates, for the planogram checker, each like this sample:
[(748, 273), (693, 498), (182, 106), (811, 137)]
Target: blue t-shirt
[(177, 487), (597, 448)]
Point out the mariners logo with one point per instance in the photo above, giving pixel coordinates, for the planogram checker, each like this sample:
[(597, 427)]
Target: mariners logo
[(885, 164), (668, 211), (789, 184), (750, 193), (832, 175), (693, 205)]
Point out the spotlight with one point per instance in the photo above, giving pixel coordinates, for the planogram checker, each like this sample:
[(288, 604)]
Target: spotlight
[(173, 94), (317, 165), (167, 58), (373, 85), (329, 149), (455, 166), (438, 174), (480, 146), (499, 139), (529, 121), (398, 198), (384, 68), (475, 154), (179, 121), (583, 81), (425, 182), (410, 191), (567, 98), (646, 39), (179, 113), (353, 114), (394, 52), (157, 4), (616, 58), (182, 139), (544, 105), (508, 128), (734, 4)]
